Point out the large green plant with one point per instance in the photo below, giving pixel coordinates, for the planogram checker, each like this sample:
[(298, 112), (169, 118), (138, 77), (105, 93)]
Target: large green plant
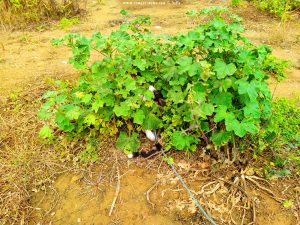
[(213, 83)]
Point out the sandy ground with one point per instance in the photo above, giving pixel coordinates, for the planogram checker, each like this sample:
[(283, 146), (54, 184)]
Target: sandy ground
[(27, 56)]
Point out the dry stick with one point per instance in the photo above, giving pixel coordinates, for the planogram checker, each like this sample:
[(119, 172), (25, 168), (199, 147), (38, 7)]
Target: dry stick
[(117, 188), (254, 212), (148, 194), (54, 203)]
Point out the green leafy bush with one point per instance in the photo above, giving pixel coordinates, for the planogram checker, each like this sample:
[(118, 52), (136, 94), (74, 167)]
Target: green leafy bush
[(278, 7), (283, 127), (282, 136), (286, 119), (236, 2), (212, 81)]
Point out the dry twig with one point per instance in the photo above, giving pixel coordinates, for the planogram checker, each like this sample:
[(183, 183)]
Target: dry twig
[(117, 188)]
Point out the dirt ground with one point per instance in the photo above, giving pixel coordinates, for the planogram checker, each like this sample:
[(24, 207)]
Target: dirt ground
[(150, 193)]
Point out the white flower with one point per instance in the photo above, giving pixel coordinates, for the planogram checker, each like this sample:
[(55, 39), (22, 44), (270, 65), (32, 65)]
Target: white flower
[(150, 135), (151, 88), (130, 156)]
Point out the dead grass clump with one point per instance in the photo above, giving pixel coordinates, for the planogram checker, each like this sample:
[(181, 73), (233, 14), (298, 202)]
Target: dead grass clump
[(142, 4), (26, 164), (21, 12), (282, 34)]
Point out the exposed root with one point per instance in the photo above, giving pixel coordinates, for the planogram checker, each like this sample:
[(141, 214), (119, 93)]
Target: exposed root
[(230, 201), (148, 193), (250, 178), (254, 211)]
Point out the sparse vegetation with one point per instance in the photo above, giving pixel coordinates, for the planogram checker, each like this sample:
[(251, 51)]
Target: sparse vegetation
[(20, 12), (236, 2), (281, 8), (66, 23), (26, 164)]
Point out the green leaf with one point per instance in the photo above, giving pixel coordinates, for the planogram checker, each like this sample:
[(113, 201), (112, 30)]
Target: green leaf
[(220, 138), (46, 132), (182, 141), (176, 95), (73, 113), (124, 12), (240, 128), (63, 123), (139, 116), (249, 88), (198, 94), (186, 65), (221, 113), (169, 69), (287, 203), (251, 110), (249, 125), (122, 110), (128, 144), (148, 95), (207, 109), (86, 98), (44, 114), (97, 104), (149, 75), (204, 110), (222, 98), (130, 84), (90, 119), (140, 63), (60, 98), (49, 94), (224, 69), (225, 84), (204, 126), (235, 126), (152, 122)]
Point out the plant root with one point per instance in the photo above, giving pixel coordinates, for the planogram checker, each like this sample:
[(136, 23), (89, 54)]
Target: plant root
[(225, 196), (148, 194)]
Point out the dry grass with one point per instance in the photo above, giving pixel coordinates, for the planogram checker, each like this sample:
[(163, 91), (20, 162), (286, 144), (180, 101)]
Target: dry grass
[(282, 34), (142, 4), (21, 13), (26, 164)]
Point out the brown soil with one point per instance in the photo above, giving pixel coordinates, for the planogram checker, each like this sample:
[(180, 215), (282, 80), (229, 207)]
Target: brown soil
[(150, 193), (86, 197)]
